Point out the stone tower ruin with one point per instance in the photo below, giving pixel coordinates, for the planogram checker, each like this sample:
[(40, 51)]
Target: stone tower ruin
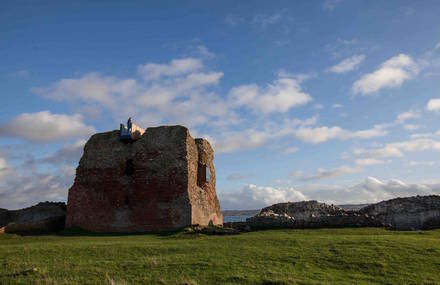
[(162, 180)]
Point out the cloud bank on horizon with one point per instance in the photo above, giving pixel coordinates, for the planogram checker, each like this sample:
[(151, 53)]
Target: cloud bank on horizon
[(296, 104)]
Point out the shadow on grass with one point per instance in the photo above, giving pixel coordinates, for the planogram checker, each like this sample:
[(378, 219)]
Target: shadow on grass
[(186, 231), (81, 232)]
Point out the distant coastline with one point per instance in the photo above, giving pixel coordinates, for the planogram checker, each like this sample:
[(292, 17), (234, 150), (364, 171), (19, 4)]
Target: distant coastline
[(256, 211), (240, 212)]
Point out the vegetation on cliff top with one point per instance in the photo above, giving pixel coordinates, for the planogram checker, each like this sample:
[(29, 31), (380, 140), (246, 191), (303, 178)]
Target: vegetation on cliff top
[(337, 256)]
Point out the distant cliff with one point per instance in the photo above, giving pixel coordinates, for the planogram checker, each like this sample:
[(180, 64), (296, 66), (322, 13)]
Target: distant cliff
[(240, 212), (411, 213), (44, 217)]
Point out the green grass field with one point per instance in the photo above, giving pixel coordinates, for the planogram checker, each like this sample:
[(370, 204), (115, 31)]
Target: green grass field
[(333, 256)]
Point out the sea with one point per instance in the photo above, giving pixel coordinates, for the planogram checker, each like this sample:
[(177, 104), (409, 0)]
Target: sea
[(237, 218)]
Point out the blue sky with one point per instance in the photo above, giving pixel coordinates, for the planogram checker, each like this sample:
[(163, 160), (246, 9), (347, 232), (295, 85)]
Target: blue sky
[(330, 100)]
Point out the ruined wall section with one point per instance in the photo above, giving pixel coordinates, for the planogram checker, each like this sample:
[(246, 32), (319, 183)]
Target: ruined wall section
[(205, 204), (132, 186), (162, 175), (95, 198)]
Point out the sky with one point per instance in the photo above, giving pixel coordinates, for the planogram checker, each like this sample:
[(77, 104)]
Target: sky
[(333, 100)]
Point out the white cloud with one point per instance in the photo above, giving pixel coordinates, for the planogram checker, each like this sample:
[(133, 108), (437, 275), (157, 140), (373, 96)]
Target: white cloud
[(3, 164), (280, 96), (67, 154), (344, 48), (26, 184), (179, 92), (423, 163), (229, 141), (437, 46), (371, 190), (417, 145), (300, 129), (317, 135), (22, 189), (176, 92), (296, 173), (348, 64), (291, 149), (154, 71), (322, 173), (402, 117), (424, 135), (397, 149), (390, 74), (45, 127), (433, 105), (386, 151), (4, 168), (368, 161), (204, 52), (254, 197), (336, 106), (242, 140), (91, 88), (412, 127)]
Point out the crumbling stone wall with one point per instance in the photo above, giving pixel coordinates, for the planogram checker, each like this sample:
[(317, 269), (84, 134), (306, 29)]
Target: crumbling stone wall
[(202, 190), (145, 185)]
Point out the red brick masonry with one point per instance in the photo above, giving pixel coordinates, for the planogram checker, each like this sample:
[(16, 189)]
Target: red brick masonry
[(158, 182)]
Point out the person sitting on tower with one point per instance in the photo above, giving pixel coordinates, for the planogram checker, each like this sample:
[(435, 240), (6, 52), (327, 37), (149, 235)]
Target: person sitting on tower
[(129, 125)]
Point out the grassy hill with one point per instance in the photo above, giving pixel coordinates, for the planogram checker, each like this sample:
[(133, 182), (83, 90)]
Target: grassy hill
[(337, 256)]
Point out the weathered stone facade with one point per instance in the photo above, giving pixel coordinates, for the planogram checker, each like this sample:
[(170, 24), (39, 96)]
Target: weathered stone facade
[(164, 180)]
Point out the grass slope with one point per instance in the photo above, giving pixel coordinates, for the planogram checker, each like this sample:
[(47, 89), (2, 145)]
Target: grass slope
[(334, 256)]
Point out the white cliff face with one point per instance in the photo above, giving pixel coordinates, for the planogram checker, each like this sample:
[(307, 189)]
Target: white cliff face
[(307, 214), (305, 210), (419, 212), (411, 213)]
